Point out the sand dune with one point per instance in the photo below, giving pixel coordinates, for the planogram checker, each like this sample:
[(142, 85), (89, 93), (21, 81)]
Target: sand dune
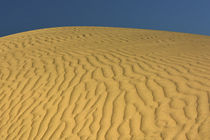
[(72, 83)]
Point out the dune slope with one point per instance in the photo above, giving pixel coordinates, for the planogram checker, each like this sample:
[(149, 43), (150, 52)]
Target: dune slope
[(72, 83)]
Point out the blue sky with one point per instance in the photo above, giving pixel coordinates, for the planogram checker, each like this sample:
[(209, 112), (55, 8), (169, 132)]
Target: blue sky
[(189, 16)]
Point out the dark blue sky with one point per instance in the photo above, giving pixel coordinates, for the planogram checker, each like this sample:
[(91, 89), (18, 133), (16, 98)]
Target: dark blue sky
[(190, 16)]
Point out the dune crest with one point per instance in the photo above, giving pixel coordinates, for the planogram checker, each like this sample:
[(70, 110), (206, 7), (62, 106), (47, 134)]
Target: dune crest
[(71, 83)]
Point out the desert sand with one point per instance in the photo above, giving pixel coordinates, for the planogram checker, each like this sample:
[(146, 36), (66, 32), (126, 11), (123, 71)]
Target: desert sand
[(72, 83)]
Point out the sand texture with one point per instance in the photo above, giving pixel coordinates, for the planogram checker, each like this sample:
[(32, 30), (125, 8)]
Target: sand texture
[(97, 83)]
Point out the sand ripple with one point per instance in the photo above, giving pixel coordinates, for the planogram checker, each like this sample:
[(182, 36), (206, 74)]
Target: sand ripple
[(74, 83)]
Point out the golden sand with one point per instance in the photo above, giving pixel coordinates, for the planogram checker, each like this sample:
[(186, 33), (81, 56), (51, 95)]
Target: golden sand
[(72, 83)]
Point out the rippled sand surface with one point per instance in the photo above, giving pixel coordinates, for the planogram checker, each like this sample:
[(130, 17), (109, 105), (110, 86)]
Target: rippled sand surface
[(72, 83)]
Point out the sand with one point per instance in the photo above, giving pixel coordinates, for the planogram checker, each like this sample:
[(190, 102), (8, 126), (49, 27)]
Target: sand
[(72, 83)]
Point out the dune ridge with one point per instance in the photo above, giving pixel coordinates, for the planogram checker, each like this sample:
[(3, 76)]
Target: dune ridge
[(72, 83)]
